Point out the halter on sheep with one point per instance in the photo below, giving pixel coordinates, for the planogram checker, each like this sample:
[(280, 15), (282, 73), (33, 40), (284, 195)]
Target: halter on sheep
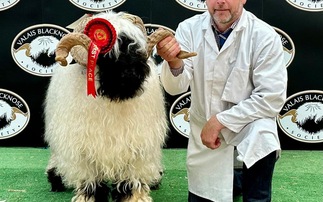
[(115, 138)]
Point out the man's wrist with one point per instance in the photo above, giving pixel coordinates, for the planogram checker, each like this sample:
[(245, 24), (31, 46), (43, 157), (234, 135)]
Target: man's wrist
[(176, 67), (219, 125), (177, 71), (175, 64)]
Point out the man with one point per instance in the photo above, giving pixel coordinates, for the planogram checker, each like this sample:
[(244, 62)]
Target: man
[(238, 84)]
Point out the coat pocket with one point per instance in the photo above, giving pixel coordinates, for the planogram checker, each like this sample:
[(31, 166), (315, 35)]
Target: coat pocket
[(238, 86)]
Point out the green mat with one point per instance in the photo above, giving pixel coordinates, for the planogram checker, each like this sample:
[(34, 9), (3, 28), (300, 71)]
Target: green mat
[(298, 177)]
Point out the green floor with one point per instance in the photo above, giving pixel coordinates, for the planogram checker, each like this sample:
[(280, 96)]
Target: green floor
[(298, 177)]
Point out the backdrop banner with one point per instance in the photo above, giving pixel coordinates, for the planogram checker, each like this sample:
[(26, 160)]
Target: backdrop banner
[(30, 31)]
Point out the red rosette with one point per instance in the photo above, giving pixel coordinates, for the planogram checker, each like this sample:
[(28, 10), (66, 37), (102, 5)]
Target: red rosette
[(102, 34)]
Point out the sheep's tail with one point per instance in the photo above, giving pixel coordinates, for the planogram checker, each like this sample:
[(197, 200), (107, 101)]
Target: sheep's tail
[(67, 43)]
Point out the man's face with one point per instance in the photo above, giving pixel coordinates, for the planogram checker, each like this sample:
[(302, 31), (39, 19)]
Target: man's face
[(225, 12)]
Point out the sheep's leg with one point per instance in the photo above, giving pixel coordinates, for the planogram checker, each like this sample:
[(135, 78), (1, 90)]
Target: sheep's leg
[(55, 180), (126, 191), (92, 193), (53, 177)]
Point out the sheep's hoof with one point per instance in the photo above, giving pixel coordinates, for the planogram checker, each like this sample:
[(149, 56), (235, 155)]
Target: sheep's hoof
[(82, 198), (138, 197), (134, 195)]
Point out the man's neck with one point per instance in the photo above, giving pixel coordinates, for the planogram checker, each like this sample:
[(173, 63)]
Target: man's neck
[(223, 27)]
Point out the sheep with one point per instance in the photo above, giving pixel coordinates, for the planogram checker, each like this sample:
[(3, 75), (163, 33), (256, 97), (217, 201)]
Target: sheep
[(106, 142)]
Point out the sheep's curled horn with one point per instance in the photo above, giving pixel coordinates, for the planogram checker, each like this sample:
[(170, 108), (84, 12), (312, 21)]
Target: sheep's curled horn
[(72, 39), (67, 43)]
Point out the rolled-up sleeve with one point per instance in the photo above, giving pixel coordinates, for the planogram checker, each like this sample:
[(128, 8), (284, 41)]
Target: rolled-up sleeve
[(174, 84)]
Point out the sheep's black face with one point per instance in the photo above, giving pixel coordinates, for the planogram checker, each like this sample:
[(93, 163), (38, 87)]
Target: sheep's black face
[(121, 79)]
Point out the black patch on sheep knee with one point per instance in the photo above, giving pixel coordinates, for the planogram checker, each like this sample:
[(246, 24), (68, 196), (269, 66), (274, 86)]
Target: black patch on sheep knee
[(122, 78), (100, 192), (124, 191), (55, 180)]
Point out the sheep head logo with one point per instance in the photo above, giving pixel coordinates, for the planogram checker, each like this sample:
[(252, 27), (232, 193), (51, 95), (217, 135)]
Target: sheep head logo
[(41, 50), (14, 114), (179, 114), (8, 114), (308, 117), (303, 117), (33, 49)]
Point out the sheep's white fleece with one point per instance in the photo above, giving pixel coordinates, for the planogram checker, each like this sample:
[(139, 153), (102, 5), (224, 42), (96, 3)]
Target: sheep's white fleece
[(95, 139)]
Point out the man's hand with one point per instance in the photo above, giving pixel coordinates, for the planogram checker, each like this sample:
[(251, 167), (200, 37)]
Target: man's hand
[(168, 49), (210, 133)]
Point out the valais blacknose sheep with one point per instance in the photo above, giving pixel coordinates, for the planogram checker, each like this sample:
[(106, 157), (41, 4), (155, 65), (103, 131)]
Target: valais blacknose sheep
[(105, 120)]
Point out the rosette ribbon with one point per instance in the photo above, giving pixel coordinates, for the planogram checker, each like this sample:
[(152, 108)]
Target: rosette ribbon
[(103, 37)]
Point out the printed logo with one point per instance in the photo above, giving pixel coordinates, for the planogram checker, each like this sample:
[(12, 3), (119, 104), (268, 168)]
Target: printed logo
[(5, 4), (14, 114), (288, 44), (97, 5), (179, 114), (307, 5), (151, 28), (195, 5), (301, 118), (33, 49)]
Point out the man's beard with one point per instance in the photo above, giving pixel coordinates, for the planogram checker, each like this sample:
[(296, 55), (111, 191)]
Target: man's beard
[(221, 20)]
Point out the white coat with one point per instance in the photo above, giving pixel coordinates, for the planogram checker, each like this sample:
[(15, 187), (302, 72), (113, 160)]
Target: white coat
[(243, 84)]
